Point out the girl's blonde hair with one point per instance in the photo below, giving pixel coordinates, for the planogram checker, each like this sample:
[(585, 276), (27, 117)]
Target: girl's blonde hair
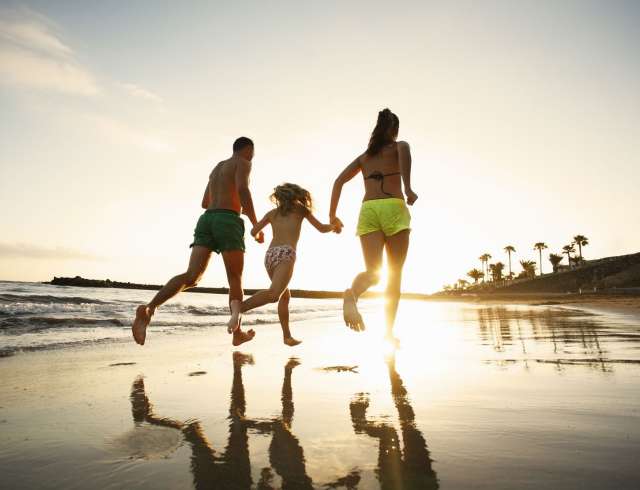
[(287, 197)]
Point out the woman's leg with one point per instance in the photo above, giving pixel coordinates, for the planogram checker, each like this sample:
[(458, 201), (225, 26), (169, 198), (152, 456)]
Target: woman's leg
[(397, 246), (372, 248)]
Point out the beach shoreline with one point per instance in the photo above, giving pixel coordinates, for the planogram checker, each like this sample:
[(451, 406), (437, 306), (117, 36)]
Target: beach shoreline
[(511, 382)]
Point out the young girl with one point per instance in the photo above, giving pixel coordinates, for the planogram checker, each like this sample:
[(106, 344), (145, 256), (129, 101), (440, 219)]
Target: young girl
[(293, 205)]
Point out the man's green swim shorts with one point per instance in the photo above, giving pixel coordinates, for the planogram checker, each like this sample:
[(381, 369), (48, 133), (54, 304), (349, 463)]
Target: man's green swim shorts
[(219, 230)]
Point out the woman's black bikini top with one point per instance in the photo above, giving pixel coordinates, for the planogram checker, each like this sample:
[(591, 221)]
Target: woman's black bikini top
[(379, 176)]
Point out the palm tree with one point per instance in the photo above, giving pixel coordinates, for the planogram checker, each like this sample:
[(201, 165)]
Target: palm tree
[(496, 271), (555, 260), (484, 258), (528, 268), (568, 249), (580, 241), (463, 283), (510, 249), (540, 246), (475, 274)]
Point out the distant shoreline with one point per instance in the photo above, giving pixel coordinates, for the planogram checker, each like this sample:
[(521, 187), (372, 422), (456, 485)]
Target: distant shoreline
[(296, 293)]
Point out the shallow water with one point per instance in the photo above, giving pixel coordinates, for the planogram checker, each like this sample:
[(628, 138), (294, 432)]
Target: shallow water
[(476, 397)]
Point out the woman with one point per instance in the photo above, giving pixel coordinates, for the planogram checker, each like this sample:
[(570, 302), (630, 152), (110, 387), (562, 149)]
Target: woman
[(384, 222)]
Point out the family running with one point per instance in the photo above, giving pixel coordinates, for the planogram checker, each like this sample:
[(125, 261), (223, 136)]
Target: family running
[(383, 227)]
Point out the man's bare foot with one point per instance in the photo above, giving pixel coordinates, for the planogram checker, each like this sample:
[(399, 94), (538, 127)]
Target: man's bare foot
[(139, 327), (240, 337), (240, 359), (293, 362), (291, 342), (352, 317), (234, 321)]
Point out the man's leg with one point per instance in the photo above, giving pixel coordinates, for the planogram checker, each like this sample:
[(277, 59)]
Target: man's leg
[(197, 265), (234, 265), (397, 247), (372, 248)]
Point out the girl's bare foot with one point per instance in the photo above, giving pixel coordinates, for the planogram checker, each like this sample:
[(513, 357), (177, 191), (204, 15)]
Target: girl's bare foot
[(139, 327), (291, 342), (394, 341), (240, 337), (352, 317), (234, 321)]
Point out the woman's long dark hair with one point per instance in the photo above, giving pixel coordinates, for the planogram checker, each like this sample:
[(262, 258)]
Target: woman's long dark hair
[(386, 127)]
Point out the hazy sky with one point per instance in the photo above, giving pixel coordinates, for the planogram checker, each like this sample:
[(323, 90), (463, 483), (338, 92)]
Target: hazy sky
[(523, 119)]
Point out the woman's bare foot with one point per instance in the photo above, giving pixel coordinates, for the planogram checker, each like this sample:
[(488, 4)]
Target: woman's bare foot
[(234, 321), (139, 327), (352, 317), (291, 342), (240, 337)]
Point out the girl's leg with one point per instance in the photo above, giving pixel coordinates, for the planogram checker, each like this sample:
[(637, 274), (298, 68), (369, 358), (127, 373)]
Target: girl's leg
[(279, 282), (397, 247), (372, 248), (283, 315)]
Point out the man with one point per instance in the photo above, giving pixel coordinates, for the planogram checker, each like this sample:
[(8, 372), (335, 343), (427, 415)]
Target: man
[(220, 229)]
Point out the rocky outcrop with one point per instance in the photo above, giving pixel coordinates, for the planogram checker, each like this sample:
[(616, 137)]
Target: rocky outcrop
[(611, 272)]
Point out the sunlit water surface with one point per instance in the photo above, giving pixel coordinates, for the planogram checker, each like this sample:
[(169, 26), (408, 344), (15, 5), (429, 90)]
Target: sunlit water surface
[(476, 396)]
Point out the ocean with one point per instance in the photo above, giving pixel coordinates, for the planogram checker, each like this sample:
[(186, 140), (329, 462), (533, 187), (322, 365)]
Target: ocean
[(35, 316)]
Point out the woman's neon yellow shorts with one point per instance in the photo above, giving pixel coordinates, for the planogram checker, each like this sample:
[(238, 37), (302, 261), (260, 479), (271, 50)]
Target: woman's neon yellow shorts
[(390, 216)]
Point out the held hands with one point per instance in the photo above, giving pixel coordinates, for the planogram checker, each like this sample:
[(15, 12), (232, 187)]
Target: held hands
[(411, 197), (336, 224), (259, 236)]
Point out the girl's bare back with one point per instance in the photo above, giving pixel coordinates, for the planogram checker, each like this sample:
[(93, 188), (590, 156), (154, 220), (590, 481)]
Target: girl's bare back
[(286, 227)]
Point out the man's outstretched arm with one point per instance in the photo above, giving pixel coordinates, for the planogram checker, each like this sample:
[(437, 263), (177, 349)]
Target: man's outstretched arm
[(243, 171)]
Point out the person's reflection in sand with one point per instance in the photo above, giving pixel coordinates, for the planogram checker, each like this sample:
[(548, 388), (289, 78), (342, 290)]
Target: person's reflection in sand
[(285, 453), (410, 468), (231, 469)]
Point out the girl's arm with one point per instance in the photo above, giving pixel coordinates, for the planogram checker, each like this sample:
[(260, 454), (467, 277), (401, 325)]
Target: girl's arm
[(404, 157), (321, 227), (257, 228), (345, 176)]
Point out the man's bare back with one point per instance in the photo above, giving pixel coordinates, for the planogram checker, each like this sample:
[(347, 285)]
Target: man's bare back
[(222, 188), (222, 191)]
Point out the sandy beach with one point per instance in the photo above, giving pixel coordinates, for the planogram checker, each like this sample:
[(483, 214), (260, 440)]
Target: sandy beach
[(478, 396)]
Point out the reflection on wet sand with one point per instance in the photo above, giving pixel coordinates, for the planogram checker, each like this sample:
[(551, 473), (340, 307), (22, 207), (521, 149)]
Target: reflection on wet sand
[(209, 468), (232, 468), (577, 337), (407, 468), (285, 453)]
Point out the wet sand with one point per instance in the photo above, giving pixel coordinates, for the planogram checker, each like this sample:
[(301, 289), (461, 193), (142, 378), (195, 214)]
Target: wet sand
[(478, 396), (628, 304)]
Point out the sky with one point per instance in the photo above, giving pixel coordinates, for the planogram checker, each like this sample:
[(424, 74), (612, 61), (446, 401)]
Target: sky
[(523, 119)]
